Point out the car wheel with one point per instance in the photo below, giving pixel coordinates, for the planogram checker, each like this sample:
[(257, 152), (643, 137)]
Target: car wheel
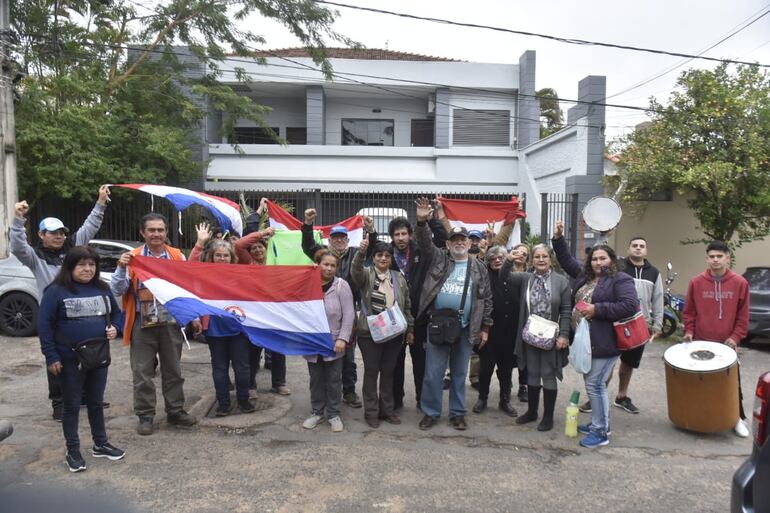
[(18, 314), (669, 326)]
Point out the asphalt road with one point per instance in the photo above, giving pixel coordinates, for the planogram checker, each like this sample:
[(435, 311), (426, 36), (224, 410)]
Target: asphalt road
[(267, 462)]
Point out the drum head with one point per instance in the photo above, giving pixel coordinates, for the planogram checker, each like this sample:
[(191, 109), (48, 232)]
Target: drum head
[(700, 356), (602, 214)]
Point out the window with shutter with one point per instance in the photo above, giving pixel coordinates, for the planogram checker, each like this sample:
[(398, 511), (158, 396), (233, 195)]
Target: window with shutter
[(481, 127)]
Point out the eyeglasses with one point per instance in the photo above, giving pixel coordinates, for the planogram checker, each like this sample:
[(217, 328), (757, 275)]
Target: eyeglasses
[(498, 257)]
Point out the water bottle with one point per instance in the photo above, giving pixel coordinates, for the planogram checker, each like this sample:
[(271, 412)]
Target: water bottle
[(571, 415)]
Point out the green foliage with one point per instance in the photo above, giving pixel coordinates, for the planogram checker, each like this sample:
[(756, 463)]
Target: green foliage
[(92, 112), (712, 143), (551, 116)]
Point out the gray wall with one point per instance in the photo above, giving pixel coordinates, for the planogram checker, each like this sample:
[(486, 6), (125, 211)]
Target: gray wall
[(528, 115), (316, 115)]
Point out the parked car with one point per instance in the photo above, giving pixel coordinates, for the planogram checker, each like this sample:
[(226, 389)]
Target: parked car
[(750, 490), (19, 298), (759, 289)]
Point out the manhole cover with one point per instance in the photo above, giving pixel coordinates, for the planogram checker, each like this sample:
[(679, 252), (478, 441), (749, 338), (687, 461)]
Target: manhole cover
[(261, 404)]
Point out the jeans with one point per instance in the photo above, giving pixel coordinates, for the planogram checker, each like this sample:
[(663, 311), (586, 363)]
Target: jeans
[(325, 390), (349, 374), (436, 359), (277, 366), (225, 350), (596, 388), (73, 384)]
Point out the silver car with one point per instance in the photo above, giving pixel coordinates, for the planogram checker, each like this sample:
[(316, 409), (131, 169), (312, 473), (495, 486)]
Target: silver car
[(19, 298)]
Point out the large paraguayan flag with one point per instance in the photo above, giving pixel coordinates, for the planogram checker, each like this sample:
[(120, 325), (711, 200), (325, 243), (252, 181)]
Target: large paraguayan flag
[(228, 213), (474, 215), (280, 219), (278, 307)]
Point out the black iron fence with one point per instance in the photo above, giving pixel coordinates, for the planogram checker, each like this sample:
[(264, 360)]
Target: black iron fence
[(560, 207), (123, 215)]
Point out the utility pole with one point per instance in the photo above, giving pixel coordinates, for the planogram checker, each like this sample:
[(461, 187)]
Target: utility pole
[(8, 183)]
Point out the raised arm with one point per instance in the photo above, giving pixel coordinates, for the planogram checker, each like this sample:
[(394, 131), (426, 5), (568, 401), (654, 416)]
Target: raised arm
[(20, 248), (567, 262), (358, 275), (94, 220), (422, 230), (243, 244), (309, 245)]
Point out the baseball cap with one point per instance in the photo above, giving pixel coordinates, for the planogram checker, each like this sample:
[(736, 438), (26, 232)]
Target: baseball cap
[(476, 233), (458, 231), (51, 224), (338, 230)]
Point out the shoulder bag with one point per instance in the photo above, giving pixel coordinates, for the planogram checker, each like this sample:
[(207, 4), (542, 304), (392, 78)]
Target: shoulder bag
[(631, 332), (93, 353), (445, 324), (538, 331), (388, 323)]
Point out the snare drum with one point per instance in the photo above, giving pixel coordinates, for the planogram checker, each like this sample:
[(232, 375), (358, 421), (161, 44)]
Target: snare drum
[(702, 386)]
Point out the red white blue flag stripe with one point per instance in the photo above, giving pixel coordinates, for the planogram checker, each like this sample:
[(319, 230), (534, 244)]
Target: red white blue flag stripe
[(227, 213), (279, 308), (475, 214), (280, 219)]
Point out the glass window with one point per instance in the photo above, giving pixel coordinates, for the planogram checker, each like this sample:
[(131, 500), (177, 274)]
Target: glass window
[(108, 256), (296, 135), (253, 135), (367, 132)]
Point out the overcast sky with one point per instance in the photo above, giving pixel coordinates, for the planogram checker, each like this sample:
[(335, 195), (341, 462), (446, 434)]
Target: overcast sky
[(687, 26)]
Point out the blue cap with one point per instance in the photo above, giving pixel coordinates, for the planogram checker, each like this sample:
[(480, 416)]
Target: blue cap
[(338, 230), (476, 233), (51, 224)]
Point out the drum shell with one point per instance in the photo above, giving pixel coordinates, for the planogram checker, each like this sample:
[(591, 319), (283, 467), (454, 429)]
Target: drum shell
[(704, 402)]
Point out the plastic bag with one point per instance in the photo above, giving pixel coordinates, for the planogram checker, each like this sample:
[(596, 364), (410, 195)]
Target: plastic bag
[(580, 351)]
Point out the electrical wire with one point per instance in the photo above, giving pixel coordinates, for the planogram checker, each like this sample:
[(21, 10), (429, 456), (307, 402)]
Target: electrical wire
[(559, 39)]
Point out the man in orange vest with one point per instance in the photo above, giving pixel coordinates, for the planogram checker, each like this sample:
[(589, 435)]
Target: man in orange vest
[(152, 332)]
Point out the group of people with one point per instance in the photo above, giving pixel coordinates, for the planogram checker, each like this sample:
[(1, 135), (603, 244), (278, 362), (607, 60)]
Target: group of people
[(460, 293)]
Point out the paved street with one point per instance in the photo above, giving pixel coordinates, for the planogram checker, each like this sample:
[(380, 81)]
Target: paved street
[(266, 462)]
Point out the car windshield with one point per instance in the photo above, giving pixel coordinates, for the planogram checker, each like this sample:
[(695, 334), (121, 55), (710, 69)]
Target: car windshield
[(758, 278)]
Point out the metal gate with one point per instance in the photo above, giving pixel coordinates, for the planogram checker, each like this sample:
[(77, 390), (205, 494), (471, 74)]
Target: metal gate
[(561, 207)]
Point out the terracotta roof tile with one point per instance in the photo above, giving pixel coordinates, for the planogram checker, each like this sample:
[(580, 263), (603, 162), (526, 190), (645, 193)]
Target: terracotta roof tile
[(374, 54)]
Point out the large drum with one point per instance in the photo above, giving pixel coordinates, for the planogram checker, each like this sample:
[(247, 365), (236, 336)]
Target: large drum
[(702, 386)]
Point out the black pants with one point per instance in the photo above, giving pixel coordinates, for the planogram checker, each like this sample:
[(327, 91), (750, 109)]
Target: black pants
[(499, 354), (54, 390), (277, 367), (417, 353), (349, 374), (74, 384)]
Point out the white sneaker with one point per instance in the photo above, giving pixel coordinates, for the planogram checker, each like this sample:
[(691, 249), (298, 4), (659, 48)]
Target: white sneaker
[(312, 421), (336, 423), (741, 429)]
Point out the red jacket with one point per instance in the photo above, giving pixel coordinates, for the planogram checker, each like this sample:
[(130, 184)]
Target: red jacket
[(716, 310)]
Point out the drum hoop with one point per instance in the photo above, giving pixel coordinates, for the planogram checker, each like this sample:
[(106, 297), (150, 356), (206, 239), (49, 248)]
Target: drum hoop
[(726, 367), (595, 201)]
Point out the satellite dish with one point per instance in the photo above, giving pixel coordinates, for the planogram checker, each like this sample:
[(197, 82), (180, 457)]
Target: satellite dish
[(602, 214)]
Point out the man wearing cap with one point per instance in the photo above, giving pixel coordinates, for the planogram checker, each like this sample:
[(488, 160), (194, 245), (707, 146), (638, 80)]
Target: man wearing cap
[(46, 257), (338, 245), (443, 289), (478, 249)]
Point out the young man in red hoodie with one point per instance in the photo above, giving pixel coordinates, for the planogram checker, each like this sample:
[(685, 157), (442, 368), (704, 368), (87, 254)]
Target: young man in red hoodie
[(717, 309)]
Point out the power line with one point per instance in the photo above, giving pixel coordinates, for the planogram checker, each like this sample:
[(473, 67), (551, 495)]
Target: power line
[(740, 28), (573, 41)]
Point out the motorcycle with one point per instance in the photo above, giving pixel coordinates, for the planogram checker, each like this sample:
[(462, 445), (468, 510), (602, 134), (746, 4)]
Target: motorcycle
[(673, 305)]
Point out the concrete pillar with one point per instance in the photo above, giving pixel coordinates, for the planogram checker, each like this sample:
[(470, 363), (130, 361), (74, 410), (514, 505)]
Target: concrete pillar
[(528, 114), (316, 115), (442, 124)]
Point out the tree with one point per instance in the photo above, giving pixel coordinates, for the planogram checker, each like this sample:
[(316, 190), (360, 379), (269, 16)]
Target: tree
[(551, 117), (110, 97), (711, 143)]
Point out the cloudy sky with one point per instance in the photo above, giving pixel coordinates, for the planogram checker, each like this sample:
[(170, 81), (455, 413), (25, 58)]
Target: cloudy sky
[(686, 26)]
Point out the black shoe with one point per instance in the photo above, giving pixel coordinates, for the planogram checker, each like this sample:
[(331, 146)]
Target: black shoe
[(546, 424), (75, 461), (522, 395), (475, 385), (447, 382), (58, 413), (480, 405), (245, 406), (182, 419), (352, 400), (529, 416), (459, 423), (427, 422), (145, 426), (586, 407), (223, 410), (505, 406), (626, 404), (109, 451)]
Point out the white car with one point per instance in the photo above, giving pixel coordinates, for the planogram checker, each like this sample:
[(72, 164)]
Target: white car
[(19, 298)]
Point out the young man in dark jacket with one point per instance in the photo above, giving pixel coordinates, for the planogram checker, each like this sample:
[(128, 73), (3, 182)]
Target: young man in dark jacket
[(339, 246), (409, 260)]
